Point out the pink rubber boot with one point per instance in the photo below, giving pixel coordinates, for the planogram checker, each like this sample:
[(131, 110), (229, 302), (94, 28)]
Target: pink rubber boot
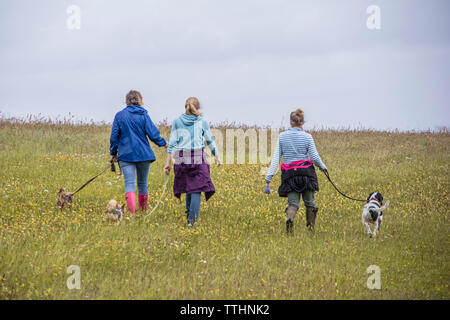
[(131, 201), (143, 198)]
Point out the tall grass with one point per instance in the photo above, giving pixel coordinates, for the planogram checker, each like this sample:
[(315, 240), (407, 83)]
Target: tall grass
[(239, 249)]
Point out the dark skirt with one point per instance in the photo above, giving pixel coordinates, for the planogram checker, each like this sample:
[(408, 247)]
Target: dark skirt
[(298, 180), (192, 173)]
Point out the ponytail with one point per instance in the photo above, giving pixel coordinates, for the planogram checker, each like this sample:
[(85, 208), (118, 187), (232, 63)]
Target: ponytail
[(192, 106), (134, 98), (298, 117)]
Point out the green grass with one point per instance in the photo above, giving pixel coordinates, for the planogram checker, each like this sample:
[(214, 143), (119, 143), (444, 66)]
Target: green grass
[(239, 249)]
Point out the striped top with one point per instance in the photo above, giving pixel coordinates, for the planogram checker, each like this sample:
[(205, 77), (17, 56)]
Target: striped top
[(294, 145)]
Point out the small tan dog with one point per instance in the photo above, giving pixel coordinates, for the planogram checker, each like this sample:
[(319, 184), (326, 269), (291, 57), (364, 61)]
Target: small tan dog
[(114, 212), (65, 199)]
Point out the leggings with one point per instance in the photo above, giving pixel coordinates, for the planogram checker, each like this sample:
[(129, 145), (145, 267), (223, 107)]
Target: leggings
[(141, 169), (308, 198), (192, 206)]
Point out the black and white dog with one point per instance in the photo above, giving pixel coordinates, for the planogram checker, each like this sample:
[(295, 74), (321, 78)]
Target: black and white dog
[(373, 212)]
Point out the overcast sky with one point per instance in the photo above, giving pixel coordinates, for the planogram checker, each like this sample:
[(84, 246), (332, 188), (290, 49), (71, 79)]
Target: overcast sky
[(247, 61)]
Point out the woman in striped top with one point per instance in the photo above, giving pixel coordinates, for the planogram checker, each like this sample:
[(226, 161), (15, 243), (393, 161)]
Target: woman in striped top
[(298, 176)]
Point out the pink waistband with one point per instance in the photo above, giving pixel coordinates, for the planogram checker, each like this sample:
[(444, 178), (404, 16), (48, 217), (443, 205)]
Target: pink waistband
[(296, 165)]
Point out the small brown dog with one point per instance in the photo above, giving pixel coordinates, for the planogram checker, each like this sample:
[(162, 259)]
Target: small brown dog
[(65, 199), (114, 211)]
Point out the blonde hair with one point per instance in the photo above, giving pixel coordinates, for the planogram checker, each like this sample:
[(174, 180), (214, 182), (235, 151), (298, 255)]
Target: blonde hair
[(192, 106), (134, 98), (298, 117)]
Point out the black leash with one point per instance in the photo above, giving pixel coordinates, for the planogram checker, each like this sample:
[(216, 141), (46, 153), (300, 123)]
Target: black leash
[(113, 166), (92, 179), (343, 194), (113, 169)]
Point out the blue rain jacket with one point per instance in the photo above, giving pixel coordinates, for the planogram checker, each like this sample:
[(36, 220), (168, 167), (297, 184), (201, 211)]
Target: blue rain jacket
[(129, 133)]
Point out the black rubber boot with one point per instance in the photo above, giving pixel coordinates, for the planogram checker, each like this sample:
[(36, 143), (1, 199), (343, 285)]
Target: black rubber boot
[(314, 217), (289, 226), (311, 214)]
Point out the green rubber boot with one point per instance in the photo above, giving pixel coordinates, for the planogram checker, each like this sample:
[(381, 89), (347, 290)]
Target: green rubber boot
[(291, 212), (311, 214)]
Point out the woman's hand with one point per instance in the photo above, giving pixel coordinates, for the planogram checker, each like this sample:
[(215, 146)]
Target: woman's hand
[(115, 158), (168, 165), (217, 161), (167, 145), (167, 169)]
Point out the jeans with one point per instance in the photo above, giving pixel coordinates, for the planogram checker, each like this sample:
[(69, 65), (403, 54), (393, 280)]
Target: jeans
[(141, 169), (308, 198), (193, 206)]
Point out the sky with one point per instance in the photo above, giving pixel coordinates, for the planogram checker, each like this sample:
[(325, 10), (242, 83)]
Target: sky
[(248, 61)]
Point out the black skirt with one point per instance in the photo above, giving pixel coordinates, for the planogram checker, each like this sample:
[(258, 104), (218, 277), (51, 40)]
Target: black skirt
[(298, 180)]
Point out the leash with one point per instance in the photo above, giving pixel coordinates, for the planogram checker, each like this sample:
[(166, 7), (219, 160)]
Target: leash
[(92, 179), (329, 179), (113, 169), (160, 197), (343, 194)]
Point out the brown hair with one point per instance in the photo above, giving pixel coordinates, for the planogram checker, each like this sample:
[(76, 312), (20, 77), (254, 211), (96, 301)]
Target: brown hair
[(134, 98), (192, 106), (297, 117)]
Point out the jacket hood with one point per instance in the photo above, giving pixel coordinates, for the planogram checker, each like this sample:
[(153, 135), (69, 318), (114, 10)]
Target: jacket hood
[(136, 109), (189, 120)]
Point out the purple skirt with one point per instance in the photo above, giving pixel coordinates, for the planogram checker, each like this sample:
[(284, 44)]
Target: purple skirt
[(192, 173)]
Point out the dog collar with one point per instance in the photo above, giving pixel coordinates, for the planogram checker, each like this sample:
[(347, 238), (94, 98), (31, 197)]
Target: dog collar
[(374, 197)]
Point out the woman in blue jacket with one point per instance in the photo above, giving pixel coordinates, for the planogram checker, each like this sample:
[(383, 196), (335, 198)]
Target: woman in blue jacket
[(129, 145)]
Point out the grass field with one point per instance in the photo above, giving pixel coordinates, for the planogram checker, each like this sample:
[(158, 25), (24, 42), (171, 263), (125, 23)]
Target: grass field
[(239, 249)]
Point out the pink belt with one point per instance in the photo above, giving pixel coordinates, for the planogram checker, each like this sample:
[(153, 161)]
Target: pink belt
[(296, 165)]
